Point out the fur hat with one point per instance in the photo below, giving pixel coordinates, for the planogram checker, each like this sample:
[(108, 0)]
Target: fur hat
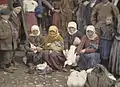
[(16, 4)]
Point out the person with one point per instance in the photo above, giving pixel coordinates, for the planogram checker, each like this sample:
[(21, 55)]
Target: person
[(53, 49), (34, 48), (115, 53), (101, 11), (66, 8), (56, 14), (107, 33), (8, 38), (87, 49), (14, 19), (88, 11), (44, 20), (29, 10), (72, 36), (78, 12)]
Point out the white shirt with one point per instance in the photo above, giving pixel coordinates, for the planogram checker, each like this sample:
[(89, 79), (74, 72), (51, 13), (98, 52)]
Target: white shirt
[(29, 5)]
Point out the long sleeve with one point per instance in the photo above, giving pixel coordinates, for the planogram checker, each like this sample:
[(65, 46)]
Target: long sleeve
[(3, 33), (81, 45), (66, 44), (94, 14), (47, 4)]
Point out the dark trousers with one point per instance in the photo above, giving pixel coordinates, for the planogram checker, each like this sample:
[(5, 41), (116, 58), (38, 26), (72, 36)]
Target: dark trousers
[(6, 58)]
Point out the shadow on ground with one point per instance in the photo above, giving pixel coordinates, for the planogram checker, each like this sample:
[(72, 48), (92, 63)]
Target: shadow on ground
[(21, 79)]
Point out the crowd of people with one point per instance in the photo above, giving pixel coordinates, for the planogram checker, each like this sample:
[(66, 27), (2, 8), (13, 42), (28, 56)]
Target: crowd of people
[(50, 27)]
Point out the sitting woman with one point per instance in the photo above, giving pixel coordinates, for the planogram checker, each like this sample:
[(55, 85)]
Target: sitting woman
[(34, 47), (73, 36), (53, 49), (87, 49)]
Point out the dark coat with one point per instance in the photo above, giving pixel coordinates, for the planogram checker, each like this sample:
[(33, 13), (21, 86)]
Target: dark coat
[(6, 39), (87, 13), (15, 20), (36, 41), (69, 39)]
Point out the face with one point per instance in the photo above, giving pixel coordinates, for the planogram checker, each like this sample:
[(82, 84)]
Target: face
[(52, 32), (35, 32), (17, 10), (90, 33), (71, 29), (6, 17), (109, 20)]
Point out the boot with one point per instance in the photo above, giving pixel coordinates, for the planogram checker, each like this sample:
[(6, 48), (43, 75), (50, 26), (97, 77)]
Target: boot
[(9, 70), (13, 65)]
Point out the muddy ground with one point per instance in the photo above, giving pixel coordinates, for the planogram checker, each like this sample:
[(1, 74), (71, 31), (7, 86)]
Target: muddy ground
[(22, 79)]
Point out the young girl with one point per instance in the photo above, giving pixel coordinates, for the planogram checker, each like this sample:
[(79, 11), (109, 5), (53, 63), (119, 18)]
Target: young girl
[(106, 40)]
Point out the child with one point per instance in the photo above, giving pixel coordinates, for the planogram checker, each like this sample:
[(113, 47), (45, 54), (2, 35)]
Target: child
[(106, 40)]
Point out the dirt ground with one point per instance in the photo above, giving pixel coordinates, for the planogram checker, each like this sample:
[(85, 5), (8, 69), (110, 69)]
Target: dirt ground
[(21, 79)]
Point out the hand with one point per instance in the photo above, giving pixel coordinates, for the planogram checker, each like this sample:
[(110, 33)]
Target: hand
[(53, 9), (82, 51), (48, 44), (39, 49), (73, 12), (50, 51)]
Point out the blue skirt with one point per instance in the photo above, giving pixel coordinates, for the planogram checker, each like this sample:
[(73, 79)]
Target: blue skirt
[(89, 60), (105, 48)]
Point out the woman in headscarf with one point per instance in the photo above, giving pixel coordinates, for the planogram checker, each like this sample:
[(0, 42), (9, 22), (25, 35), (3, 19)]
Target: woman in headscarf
[(34, 47), (87, 49), (114, 60), (53, 49), (72, 36)]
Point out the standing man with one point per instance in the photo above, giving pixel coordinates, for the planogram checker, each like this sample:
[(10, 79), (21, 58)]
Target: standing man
[(88, 11), (45, 21), (78, 10), (8, 36), (66, 8), (101, 11)]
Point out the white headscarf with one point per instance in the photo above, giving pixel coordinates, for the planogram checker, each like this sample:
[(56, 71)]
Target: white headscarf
[(91, 28), (74, 25), (35, 27)]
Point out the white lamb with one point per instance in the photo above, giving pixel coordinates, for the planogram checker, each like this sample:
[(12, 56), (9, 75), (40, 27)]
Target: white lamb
[(70, 56)]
